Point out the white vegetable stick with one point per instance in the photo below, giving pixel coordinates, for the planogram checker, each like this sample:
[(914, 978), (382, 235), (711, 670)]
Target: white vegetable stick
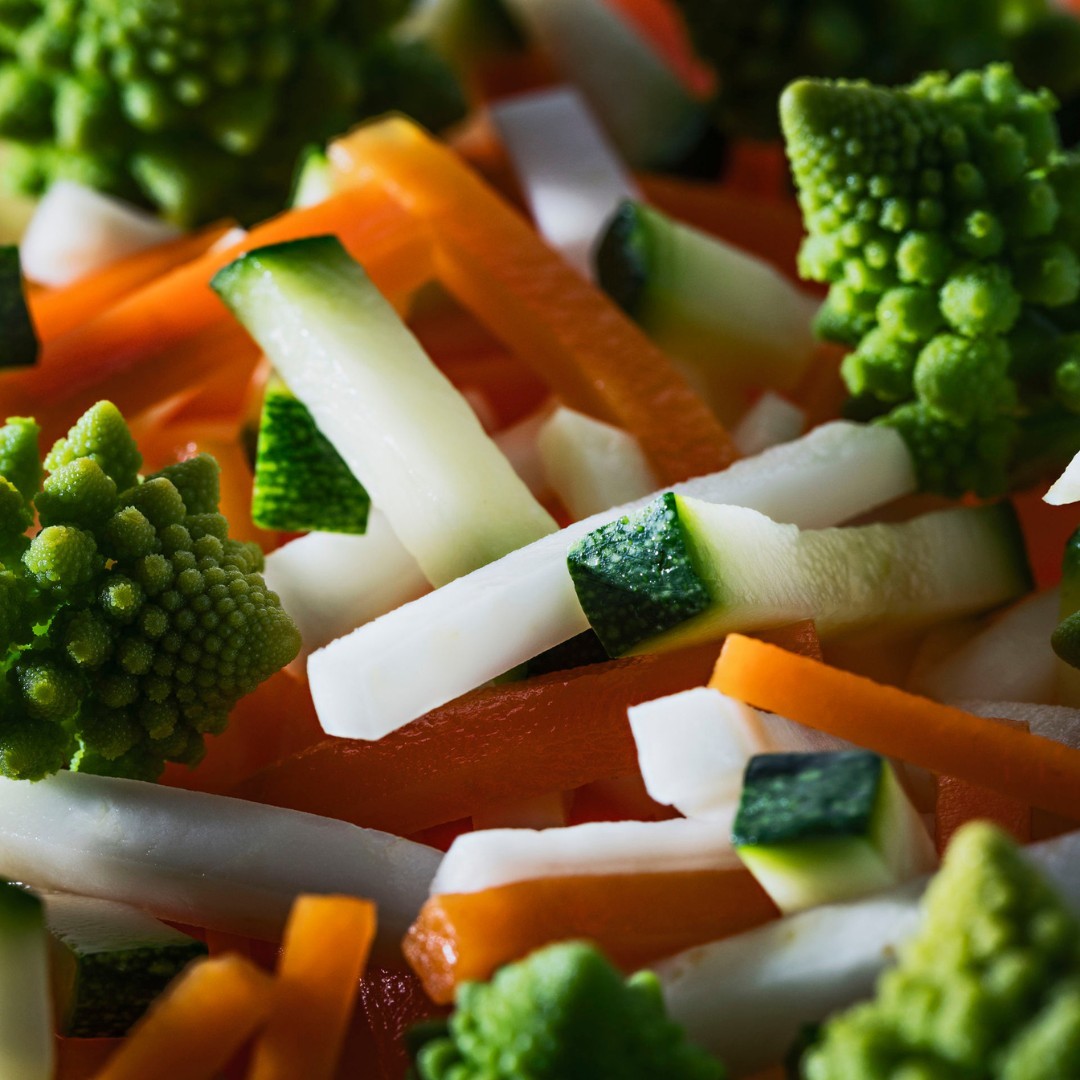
[(393, 670), (521, 447), (494, 857), (76, 230), (1011, 660), (1066, 488), (770, 421), (331, 583), (1058, 722), (571, 175), (592, 465), (203, 860)]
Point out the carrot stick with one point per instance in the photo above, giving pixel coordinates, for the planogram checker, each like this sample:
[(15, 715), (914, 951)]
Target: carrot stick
[(326, 945), (591, 355), (196, 1026), (897, 724), (662, 24), (376, 230), (959, 802), (56, 311), (392, 1002), (634, 918), (80, 1059)]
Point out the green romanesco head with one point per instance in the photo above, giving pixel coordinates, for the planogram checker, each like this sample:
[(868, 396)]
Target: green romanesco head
[(563, 1013), (946, 219), (130, 624), (198, 107), (989, 989)]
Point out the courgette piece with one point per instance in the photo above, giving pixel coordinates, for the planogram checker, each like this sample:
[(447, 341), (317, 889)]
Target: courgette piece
[(313, 182), (26, 1029), (109, 961), (18, 338), (463, 32), (682, 570), (821, 828), (301, 482)]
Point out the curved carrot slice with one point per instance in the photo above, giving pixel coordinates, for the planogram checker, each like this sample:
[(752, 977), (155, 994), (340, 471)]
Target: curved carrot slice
[(945, 740), (56, 311), (325, 950), (591, 355), (196, 1026), (634, 918)]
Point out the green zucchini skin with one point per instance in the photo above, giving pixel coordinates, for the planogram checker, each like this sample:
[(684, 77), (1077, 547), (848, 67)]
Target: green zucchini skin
[(19, 345)]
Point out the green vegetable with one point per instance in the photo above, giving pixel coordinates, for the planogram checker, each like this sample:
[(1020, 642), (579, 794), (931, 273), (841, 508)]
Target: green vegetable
[(198, 108), (989, 988), (947, 221), (759, 48), (26, 1024), (301, 482), (563, 1013), (18, 338), (129, 623)]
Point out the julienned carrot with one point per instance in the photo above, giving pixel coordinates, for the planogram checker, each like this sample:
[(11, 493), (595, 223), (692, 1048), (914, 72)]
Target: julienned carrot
[(137, 331), (195, 1027), (55, 311), (81, 1059), (392, 1002), (942, 739), (1045, 528), (635, 918), (661, 23), (590, 354), (325, 950), (959, 802)]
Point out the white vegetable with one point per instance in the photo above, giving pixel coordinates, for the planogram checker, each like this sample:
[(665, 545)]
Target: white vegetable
[(198, 859), (771, 420), (76, 230), (521, 447), (331, 583), (592, 465), (395, 669), (571, 175), (1057, 722), (1066, 488), (494, 857)]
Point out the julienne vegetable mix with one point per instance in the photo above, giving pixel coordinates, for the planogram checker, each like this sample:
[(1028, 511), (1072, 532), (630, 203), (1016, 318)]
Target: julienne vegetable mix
[(640, 654)]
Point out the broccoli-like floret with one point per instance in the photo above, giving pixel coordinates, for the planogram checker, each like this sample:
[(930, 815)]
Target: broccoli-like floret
[(946, 219), (198, 107), (563, 1013), (758, 48), (990, 986), (130, 624)]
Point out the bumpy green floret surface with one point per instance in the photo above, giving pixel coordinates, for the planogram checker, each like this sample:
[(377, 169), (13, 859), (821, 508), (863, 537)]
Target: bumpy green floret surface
[(944, 215), (563, 1013), (989, 989), (198, 107), (130, 624)]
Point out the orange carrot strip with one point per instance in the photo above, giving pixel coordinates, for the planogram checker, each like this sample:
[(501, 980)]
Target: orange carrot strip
[(392, 1002), (80, 1059), (1046, 528), (902, 725), (326, 945), (196, 1026), (56, 311), (662, 24), (959, 802), (376, 230), (588, 351), (634, 918)]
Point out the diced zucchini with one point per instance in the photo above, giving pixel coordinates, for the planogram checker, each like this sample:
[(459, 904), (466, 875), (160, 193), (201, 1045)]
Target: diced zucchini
[(463, 31), (403, 430), (682, 570), (301, 482), (26, 1030), (109, 962), (821, 828), (18, 338), (730, 318), (314, 180)]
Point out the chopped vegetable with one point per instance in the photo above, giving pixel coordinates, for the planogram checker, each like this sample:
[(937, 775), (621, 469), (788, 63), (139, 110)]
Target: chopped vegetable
[(26, 1030), (959, 802), (18, 335), (562, 1014), (132, 623), (954, 267)]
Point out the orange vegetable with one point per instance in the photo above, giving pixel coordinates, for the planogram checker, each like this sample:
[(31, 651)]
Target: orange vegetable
[(959, 802), (55, 311), (392, 1002), (897, 724), (1046, 528), (325, 949), (80, 1059), (192, 1030), (759, 169), (634, 918), (590, 354)]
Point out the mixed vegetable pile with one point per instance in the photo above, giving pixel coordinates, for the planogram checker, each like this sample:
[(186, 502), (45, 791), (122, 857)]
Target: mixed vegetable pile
[(573, 592)]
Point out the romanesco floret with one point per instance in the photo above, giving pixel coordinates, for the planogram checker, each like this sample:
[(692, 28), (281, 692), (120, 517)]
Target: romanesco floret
[(130, 624), (198, 107), (563, 1013), (988, 989), (946, 219)]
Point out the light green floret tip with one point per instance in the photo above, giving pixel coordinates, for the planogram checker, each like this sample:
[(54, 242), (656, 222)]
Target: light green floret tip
[(989, 988), (198, 107), (130, 624), (563, 1013), (945, 217)]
